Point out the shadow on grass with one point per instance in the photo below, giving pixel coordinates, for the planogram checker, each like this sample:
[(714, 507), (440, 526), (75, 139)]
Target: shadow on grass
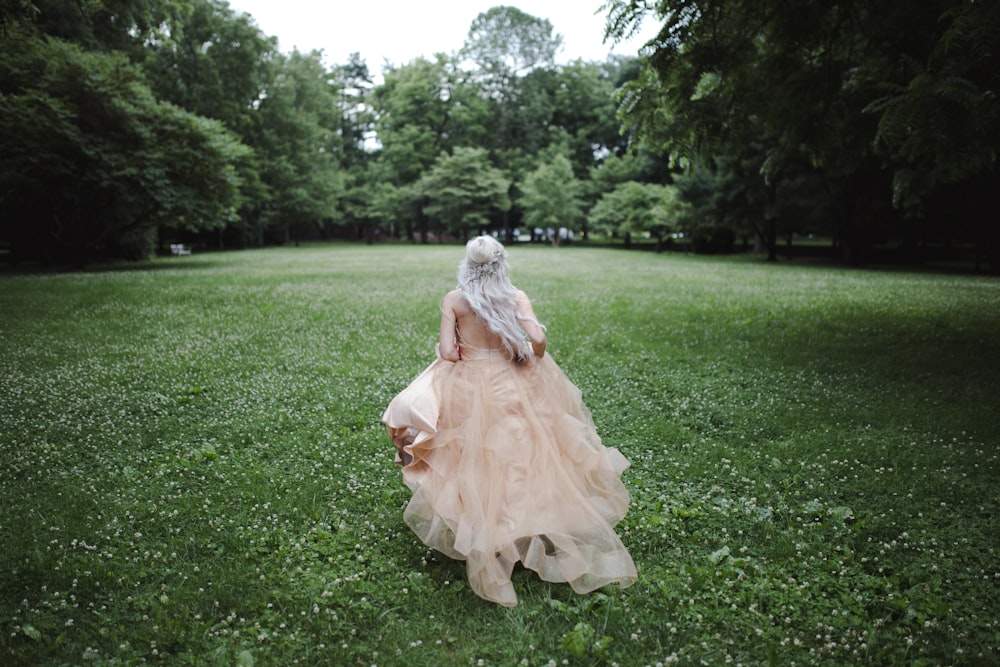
[(901, 369)]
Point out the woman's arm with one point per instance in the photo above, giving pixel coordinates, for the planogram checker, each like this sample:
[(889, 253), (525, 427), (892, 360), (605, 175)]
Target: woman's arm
[(535, 331), (447, 344)]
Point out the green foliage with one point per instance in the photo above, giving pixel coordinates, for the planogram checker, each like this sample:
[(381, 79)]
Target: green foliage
[(942, 125), (506, 42), (420, 109), (614, 170), (388, 204), (507, 45), (462, 190), (353, 82), (94, 163), (535, 109), (212, 62), (551, 196), (583, 106), (634, 208), (195, 472), (844, 92), (820, 117), (13, 12), (297, 146)]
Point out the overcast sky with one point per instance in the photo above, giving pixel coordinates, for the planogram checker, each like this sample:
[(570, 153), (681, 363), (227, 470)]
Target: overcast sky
[(401, 30)]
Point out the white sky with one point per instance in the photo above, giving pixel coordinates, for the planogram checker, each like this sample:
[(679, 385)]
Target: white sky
[(402, 30)]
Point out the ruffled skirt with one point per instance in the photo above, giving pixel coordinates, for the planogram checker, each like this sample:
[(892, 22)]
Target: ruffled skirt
[(505, 466)]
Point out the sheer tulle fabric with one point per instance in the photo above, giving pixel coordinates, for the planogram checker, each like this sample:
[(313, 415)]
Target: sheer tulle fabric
[(505, 465)]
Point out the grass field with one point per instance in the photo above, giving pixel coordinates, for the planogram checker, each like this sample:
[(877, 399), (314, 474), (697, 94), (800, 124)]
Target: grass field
[(194, 472)]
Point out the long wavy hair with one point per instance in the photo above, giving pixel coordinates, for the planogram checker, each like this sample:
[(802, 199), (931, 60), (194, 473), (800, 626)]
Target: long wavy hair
[(484, 279)]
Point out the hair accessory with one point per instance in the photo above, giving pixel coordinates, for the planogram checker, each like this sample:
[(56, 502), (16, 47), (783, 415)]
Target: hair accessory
[(486, 269), (480, 271)]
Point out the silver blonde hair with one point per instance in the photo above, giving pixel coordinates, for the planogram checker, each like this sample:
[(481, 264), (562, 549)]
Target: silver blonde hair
[(484, 279)]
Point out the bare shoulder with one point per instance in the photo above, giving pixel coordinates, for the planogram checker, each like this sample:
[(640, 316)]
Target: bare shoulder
[(454, 300), (523, 302)]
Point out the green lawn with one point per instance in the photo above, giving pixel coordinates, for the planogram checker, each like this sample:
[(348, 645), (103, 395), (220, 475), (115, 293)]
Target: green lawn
[(194, 471)]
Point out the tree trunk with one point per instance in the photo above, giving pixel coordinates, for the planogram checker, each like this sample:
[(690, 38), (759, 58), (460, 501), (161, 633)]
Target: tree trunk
[(423, 229), (770, 228), (852, 242)]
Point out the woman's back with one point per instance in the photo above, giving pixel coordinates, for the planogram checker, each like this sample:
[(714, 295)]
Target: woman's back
[(460, 325), (470, 330)]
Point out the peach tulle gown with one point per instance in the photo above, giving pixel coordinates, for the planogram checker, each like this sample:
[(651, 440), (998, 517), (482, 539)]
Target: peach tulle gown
[(505, 465)]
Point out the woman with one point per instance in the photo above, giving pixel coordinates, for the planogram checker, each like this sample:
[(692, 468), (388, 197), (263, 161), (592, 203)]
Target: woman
[(499, 450)]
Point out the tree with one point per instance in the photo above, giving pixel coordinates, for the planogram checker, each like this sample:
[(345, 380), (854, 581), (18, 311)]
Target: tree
[(667, 211), (99, 25), (824, 82), (353, 82), (583, 103), (571, 105), (388, 205), (14, 12), (212, 62), (94, 165), (638, 165), (939, 122), (506, 44), (551, 197), (421, 109), (297, 140), (462, 189), (635, 208)]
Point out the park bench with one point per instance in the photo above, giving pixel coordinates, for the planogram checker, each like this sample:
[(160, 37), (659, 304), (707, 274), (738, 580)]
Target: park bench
[(179, 249)]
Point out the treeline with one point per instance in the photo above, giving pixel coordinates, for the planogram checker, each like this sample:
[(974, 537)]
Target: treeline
[(126, 125), (876, 121)]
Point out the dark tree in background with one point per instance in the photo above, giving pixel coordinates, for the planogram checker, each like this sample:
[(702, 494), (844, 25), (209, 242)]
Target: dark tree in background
[(94, 165), (891, 106)]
